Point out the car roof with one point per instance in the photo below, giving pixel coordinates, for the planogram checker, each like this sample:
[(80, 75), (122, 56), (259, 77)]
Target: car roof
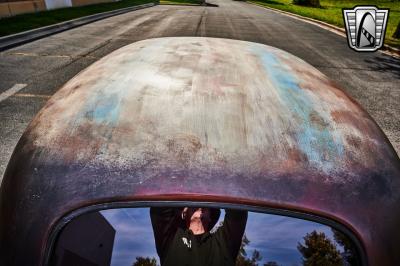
[(203, 119)]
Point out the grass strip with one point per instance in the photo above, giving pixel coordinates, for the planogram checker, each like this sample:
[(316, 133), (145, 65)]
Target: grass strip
[(331, 12), (31, 21)]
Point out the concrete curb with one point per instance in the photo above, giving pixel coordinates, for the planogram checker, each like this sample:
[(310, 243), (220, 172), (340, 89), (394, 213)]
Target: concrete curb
[(392, 51), (17, 39)]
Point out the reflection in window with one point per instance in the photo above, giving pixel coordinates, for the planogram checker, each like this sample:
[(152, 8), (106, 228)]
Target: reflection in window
[(134, 237), (276, 238), (87, 240), (125, 237)]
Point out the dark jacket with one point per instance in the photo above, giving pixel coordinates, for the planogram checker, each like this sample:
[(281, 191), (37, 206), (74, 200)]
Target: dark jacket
[(177, 246)]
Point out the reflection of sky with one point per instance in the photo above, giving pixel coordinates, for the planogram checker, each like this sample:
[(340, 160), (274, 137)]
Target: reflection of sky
[(276, 237), (134, 235)]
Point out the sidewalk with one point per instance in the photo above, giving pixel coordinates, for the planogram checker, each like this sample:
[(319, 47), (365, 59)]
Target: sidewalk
[(14, 40)]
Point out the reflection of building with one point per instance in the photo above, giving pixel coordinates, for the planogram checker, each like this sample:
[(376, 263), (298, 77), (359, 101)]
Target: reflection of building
[(15, 7), (87, 240)]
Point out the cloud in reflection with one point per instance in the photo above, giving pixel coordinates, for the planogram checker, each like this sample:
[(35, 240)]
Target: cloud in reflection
[(134, 235)]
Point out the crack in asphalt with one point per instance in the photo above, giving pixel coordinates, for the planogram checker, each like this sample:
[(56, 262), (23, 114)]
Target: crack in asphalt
[(200, 29)]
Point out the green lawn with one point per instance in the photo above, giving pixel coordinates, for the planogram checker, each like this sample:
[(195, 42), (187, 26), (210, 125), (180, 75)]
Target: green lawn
[(26, 22), (331, 12)]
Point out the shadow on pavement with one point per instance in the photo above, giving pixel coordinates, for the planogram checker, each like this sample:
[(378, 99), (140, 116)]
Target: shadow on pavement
[(272, 2), (382, 64), (212, 5)]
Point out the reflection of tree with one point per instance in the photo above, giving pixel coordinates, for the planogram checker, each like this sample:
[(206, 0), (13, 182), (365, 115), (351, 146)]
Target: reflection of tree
[(271, 263), (350, 252), (319, 250), (242, 259), (141, 261)]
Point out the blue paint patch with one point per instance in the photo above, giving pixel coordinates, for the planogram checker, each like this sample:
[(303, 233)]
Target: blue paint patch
[(106, 110), (102, 109), (315, 141)]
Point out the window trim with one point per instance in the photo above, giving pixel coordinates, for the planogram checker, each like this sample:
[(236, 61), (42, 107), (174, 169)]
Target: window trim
[(56, 230)]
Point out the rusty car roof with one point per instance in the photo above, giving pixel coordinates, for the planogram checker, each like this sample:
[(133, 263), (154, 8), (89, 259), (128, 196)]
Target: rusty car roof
[(202, 119)]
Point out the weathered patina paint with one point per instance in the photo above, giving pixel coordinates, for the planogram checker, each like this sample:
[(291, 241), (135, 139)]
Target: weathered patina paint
[(320, 142), (202, 119)]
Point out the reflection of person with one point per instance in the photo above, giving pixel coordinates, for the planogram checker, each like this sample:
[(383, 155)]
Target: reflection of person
[(183, 236)]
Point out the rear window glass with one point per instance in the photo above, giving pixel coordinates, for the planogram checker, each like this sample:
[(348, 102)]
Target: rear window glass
[(166, 236)]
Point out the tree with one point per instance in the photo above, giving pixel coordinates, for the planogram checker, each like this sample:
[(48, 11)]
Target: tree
[(255, 257), (312, 3), (350, 252), (319, 250), (397, 32), (242, 259), (271, 263), (141, 261)]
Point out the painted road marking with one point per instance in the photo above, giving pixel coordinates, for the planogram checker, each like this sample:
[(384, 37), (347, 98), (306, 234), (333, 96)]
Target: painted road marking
[(29, 95), (14, 89), (53, 56), (41, 55)]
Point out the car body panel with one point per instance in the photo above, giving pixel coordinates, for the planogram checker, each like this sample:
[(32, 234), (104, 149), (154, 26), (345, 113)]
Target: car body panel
[(202, 119)]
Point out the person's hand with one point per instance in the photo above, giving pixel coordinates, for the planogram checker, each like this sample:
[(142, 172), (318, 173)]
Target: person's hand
[(183, 215)]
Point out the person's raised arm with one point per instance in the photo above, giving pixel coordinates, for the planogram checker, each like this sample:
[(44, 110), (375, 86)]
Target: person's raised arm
[(233, 230), (165, 222)]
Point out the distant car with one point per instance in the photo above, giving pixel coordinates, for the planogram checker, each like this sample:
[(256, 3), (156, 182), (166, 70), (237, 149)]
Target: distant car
[(219, 122)]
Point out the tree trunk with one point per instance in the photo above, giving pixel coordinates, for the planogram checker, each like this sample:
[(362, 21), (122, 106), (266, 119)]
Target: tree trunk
[(312, 3), (397, 32)]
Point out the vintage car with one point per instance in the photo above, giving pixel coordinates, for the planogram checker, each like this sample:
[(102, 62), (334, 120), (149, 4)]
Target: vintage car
[(200, 122)]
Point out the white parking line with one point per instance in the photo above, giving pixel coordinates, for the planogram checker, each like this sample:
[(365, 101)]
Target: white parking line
[(14, 89), (29, 95)]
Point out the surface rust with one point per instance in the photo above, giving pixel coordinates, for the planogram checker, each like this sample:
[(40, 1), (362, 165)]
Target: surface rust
[(203, 117)]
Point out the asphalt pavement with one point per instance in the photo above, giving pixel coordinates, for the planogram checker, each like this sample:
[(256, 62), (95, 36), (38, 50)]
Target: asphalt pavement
[(36, 70)]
